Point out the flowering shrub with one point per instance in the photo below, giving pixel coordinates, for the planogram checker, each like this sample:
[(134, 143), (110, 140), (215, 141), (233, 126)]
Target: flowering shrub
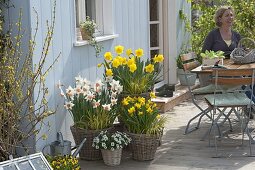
[(141, 116), (111, 141), (64, 162), (136, 75), (92, 107)]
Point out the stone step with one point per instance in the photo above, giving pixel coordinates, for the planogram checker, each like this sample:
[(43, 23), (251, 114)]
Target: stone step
[(180, 94)]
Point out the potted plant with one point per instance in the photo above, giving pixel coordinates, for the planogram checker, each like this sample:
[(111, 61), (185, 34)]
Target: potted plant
[(212, 57), (63, 162), (93, 108), (88, 28), (135, 74), (144, 125), (111, 145), (182, 74)]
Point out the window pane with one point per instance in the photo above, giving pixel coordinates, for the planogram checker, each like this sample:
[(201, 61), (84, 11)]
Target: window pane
[(91, 9), (153, 10), (154, 35), (153, 53), (39, 164), (10, 167), (25, 165)]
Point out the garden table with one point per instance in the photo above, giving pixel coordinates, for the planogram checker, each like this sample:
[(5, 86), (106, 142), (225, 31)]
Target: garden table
[(204, 73)]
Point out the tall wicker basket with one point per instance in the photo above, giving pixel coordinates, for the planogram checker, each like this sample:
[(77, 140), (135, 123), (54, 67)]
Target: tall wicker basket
[(87, 152), (112, 158), (143, 146)]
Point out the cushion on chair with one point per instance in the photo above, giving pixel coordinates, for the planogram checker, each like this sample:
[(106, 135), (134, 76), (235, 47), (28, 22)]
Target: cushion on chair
[(228, 99)]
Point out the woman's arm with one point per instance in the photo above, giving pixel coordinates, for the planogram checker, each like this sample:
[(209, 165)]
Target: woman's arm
[(208, 43)]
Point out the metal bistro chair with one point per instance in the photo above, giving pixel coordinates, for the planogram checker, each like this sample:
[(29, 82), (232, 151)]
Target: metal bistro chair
[(232, 99), (189, 62)]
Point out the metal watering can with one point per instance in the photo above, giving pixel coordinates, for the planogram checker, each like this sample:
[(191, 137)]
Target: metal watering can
[(63, 147)]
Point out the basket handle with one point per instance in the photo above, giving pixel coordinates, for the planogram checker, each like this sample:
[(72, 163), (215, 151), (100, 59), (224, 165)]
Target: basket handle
[(246, 38)]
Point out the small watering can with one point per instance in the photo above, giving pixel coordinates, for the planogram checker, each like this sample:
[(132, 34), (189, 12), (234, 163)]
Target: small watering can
[(63, 147)]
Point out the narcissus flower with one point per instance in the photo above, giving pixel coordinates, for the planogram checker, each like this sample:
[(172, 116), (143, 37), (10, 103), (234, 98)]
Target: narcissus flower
[(108, 56), (139, 52), (119, 49), (109, 72), (129, 52), (132, 68), (158, 58), (149, 68)]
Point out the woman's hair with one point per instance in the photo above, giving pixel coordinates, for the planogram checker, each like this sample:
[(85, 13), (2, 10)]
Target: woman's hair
[(219, 14)]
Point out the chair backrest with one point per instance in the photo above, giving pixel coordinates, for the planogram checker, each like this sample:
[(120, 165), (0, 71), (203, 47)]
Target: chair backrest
[(233, 76), (189, 61)]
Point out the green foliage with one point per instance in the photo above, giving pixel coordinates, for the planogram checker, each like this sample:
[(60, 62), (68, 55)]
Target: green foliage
[(141, 116), (212, 54), (19, 80), (244, 20)]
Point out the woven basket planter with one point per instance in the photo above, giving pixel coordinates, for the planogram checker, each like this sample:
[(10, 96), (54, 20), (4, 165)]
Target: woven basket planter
[(85, 35), (143, 146), (111, 158), (87, 152)]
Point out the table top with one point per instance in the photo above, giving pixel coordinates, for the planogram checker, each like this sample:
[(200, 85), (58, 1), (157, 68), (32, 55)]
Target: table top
[(226, 63)]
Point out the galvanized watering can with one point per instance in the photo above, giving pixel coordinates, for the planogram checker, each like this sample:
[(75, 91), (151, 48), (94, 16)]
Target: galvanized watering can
[(63, 147)]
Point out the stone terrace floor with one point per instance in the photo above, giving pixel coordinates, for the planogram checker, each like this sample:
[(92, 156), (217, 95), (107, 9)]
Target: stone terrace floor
[(182, 152)]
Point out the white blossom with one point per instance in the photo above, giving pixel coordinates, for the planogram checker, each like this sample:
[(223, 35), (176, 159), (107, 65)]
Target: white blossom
[(68, 105), (106, 107)]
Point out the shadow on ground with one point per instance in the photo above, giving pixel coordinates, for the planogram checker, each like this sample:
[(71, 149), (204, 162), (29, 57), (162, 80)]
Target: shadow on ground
[(179, 151)]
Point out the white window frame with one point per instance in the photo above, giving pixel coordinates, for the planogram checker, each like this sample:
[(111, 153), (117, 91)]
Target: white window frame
[(104, 17)]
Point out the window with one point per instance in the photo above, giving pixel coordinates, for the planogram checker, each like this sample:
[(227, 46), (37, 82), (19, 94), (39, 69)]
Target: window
[(31, 162), (99, 11)]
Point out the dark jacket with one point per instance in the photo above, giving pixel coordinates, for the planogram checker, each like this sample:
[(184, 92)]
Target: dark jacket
[(215, 42)]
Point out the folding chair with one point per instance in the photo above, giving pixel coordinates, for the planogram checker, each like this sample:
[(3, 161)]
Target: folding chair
[(232, 99)]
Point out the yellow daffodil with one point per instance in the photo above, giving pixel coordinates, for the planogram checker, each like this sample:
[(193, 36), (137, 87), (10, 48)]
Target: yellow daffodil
[(108, 72), (125, 101), (116, 63), (131, 110), (131, 61), (108, 56), (152, 95), (158, 59), (149, 110), (99, 65), (124, 61), (140, 113), (149, 68), (119, 49), (138, 105), (139, 52), (141, 100), (132, 68), (129, 52), (158, 116)]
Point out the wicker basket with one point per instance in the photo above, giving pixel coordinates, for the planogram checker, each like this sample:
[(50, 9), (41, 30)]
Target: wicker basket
[(87, 152), (85, 35), (111, 158), (244, 53), (143, 146)]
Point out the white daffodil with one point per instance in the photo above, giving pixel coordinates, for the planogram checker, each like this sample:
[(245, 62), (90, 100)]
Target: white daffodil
[(79, 80), (90, 96), (96, 103), (86, 82), (106, 107), (70, 91), (114, 101), (98, 86), (68, 105), (78, 89)]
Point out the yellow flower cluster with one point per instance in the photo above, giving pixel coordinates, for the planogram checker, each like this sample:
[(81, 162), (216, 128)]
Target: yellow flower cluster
[(139, 105), (130, 62), (64, 163)]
